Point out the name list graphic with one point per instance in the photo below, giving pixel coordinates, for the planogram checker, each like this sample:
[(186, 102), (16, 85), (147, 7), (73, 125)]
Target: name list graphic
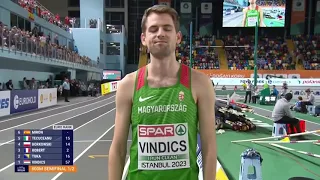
[(46, 150)]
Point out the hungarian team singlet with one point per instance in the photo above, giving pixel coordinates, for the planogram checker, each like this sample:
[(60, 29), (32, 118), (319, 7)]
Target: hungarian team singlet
[(253, 16), (164, 130)]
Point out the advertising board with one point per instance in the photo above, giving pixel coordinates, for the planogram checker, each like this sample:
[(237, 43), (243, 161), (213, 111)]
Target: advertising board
[(23, 100), (262, 81), (4, 103), (114, 86), (111, 74), (109, 87), (47, 97), (105, 88), (291, 74)]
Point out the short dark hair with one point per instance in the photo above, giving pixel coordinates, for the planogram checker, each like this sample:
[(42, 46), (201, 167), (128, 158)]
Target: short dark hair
[(288, 96), (161, 9)]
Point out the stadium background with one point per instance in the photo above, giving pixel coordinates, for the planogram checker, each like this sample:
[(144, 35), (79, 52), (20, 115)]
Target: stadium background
[(104, 42), (129, 14)]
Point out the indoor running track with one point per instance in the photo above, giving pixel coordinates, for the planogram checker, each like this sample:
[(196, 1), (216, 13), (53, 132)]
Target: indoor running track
[(93, 122)]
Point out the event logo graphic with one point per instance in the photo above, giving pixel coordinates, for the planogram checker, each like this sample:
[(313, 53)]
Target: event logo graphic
[(114, 85), (41, 98), (16, 102), (23, 101), (181, 96), (181, 130), (44, 98)]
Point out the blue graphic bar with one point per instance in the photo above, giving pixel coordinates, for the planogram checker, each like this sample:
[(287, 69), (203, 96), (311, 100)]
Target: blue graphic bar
[(43, 148)]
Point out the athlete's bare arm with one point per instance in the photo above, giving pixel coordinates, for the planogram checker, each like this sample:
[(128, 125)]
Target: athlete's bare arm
[(118, 149), (244, 18), (205, 96), (261, 18)]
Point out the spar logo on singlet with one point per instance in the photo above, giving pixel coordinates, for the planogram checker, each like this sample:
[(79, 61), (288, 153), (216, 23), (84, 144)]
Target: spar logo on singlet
[(163, 147), (163, 108)]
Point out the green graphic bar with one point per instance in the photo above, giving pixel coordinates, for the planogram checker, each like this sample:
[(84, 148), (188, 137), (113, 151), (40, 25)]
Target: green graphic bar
[(163, 158)]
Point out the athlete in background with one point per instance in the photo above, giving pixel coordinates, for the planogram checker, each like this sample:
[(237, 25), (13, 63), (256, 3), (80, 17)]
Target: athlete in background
[(166, 104), (253, 14)]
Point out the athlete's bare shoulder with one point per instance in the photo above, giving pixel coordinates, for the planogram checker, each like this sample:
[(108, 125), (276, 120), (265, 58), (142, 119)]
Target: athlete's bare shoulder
[(200, 82), (199, 78), (126, 85), (259, 8), (129, 78)]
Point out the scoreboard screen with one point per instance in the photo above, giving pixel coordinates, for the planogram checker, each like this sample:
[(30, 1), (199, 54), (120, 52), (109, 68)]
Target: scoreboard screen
[(44, 150), (111, 74)]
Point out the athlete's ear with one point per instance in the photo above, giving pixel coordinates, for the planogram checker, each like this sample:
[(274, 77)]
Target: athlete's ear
[(143, 39), (179, 37)]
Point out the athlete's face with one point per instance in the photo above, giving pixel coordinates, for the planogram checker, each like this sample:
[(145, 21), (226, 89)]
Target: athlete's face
[(160, 36), (252, 1)]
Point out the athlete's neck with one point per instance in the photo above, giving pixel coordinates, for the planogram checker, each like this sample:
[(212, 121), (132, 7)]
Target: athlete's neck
[(253, 6), (163, 68)]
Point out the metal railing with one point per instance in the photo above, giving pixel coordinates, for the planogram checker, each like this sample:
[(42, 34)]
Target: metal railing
[(39, 10), (16, 41)]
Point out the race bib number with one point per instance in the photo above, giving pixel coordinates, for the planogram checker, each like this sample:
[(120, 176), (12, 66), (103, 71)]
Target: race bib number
[(163, 147), (252, 21)]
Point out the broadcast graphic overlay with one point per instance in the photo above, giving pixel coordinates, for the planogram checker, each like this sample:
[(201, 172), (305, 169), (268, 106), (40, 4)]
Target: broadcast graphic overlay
[(111, 74), (44, 150), (246, 13)]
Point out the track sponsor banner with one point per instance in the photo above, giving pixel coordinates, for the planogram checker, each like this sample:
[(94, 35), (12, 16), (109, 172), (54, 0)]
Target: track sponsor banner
[(262, 81), (23, 100), (105, 88), (298, 14), (114, 86), (290, 74), (47, 97), (109, 87), (206, 16), (163, 147), (4, 103), (185, 16)]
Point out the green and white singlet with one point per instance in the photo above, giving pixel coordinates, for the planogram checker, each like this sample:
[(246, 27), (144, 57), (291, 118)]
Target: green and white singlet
[(252, 17), (164, 130)]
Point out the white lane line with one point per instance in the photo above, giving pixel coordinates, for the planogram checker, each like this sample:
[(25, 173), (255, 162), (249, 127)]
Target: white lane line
[(73, 130), (12, 127), (271, 111), (84, 151), (60, 107), (64, 120)]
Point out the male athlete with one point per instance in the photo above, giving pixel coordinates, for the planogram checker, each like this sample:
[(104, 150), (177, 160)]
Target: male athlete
[(253, 14), (164, 102)]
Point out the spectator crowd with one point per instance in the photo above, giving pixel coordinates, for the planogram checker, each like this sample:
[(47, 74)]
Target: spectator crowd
[(203, 56), (37, 9), (272, 53), (308, 51), (37, 43), (77, 87)]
